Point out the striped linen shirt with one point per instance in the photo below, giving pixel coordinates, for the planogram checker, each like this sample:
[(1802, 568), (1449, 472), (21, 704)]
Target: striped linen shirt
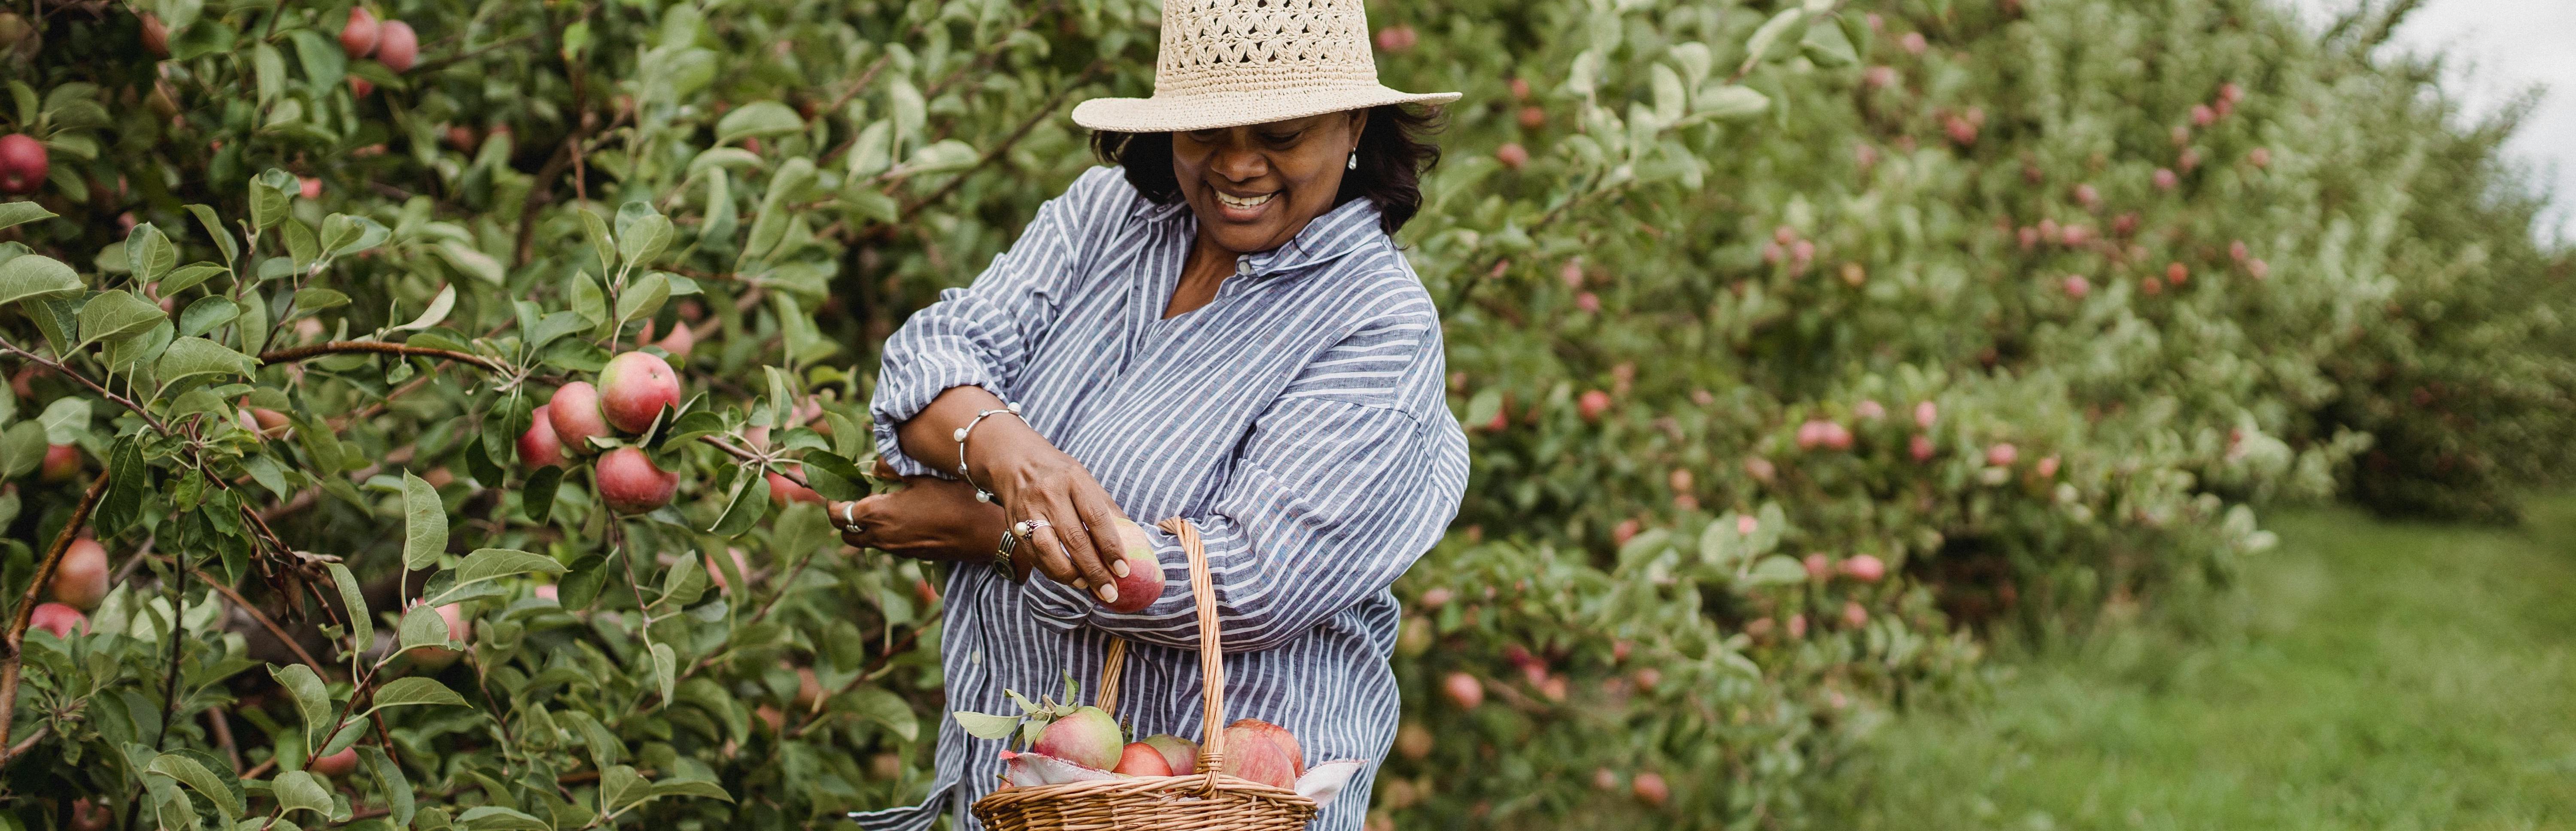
[(1298, 420)]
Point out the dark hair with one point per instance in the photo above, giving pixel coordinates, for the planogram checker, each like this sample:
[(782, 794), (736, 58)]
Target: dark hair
[(1394, 153)]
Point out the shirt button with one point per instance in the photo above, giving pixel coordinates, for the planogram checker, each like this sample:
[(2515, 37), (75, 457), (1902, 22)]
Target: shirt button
[(1243, 266)]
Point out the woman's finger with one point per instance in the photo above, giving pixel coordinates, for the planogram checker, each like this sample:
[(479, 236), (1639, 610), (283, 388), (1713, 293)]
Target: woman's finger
[(1102, 516), (1049, 557), (1078, 546)]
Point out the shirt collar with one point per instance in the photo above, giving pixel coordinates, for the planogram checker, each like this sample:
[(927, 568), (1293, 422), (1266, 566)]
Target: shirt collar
[(1339, 231)]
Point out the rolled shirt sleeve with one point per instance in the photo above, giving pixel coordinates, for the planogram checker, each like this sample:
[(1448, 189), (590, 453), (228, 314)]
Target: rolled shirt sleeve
[(1344, 480), (981, 334)]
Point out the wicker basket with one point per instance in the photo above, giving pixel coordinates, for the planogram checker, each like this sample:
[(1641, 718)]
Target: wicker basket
[(1202, 801)]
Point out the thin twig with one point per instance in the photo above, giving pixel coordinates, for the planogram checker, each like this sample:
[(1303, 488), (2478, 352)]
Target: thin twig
[(57, 366), (264, 622)]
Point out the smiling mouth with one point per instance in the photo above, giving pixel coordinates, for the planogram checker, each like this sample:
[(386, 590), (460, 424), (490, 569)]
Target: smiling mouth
[(1244, 202)]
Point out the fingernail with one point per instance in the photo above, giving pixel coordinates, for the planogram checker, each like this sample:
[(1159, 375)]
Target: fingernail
[(1118, 568), (1108, 593), (1080, 583)]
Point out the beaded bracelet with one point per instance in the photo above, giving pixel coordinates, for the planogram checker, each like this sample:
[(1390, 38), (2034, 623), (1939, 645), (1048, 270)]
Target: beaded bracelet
[(1013, 409)]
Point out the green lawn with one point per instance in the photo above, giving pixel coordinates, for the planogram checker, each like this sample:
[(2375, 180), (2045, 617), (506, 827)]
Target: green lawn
[(2383, 676)]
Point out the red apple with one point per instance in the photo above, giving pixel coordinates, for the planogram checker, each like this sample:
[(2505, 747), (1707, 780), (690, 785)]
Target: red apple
[(361, 87), (1869, 408), (1818, 566), (80, 580), (574, 413), (1088, 738), (1141, 759), (2203, 116), (1144, 581), (1396, 38), (1649, 786), (634, 388), (360, 35), (310, 186), (629, 482), (1854, 615), (1920, 447), (1263, 752), (2166, 179), (1463, 690), (1512, 155), (1913, 43), (433, 658), (1925, 412), (1414, 741), (1520, 88), (2077, 287), (22, 163), (1533, 117), (2047, 467), (58, 619), (2177, 273), (1593, 404), (1866, 568), (397, 47), (62, 463), (1180, 755), (539, 446), (336, 765), (2002, 454), (715, 571)]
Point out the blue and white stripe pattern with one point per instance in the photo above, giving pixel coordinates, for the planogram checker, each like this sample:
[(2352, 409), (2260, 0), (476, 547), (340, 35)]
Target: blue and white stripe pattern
[(1298, 420)]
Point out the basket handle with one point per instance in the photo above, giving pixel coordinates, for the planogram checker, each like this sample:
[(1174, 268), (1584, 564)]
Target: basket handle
[(1211, 657)]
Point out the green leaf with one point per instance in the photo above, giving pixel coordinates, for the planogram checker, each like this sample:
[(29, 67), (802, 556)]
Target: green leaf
[(538, 496), (749, 502), (424, 523), (149, 253), (271, 192), (187, 277), (621, 786), (297, 790), (423, 626), (395, 786), (65, 420), (224, 789), (691, 787), (316, 299), (1777, 569), (497, 818), (666, 668), (882, 706), (15, 213), (22, 448), (348, 735), (116, 315), (475, 263), (602, 244), (312, 700), (493, 563), (214, 225), (758, 119), (642, 233), (437, 312), (772, 224), (643, 298), (362, 626), (300, 243), (986, 726), (207, 313), (416, 691), (36, 275), (580, 588), (684, 583), (1758, 47), (189, 357)]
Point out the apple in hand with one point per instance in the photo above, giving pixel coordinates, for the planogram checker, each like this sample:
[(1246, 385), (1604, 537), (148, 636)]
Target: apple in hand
[(1143, 583)]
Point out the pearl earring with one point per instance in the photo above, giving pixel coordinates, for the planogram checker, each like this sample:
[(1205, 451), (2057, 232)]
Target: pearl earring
[(1355, 161)]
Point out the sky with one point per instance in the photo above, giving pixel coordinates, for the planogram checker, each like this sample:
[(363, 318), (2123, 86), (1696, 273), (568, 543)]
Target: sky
[(2499, 49)]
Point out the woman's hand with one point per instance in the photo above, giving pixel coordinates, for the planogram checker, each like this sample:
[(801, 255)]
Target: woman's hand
[(1033, 480), (929, 519)]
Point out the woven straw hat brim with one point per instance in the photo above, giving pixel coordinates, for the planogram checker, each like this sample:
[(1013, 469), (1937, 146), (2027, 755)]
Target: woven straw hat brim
[(1213, 110)]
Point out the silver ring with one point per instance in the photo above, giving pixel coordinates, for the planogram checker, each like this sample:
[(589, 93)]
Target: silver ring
[(848, 522), (1026, 527)]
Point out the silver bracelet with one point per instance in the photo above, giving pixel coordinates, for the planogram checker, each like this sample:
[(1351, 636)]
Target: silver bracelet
[(1013, 409)]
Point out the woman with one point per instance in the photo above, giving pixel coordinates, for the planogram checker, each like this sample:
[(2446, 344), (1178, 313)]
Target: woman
[(1218, 329)]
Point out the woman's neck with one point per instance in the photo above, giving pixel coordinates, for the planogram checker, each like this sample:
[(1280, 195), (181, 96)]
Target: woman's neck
[(1201, 275)]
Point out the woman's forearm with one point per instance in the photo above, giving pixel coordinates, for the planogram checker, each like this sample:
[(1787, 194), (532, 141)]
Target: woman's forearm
[(931, 435)]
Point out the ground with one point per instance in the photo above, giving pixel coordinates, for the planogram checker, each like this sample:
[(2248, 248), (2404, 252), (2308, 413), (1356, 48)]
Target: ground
[(2376, 675)]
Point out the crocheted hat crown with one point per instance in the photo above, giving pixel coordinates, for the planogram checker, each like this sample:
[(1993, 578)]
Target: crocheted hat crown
[(1225, 63)]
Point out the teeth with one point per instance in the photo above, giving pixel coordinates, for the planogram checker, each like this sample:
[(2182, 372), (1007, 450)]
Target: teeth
[(1232, 201)]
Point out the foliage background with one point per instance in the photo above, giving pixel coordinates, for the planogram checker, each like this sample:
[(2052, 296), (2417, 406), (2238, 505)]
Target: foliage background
[(1936, 226)]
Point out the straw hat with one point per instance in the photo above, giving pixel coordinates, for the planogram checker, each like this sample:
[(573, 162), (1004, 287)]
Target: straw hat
[(1227, 63)]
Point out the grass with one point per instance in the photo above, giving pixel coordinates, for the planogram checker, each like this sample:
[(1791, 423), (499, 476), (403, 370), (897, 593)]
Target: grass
[(2376, 675)]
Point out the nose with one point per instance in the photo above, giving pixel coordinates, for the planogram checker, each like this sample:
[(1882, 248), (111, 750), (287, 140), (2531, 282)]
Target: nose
[(1238, 161)]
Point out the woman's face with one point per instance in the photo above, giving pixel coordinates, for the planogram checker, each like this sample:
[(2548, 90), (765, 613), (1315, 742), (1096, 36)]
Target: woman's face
[(1254, 187)]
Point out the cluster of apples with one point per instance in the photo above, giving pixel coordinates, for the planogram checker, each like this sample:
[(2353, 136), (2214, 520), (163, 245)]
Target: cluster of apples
[(1089, 745), (633, 390), (390, 42)]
